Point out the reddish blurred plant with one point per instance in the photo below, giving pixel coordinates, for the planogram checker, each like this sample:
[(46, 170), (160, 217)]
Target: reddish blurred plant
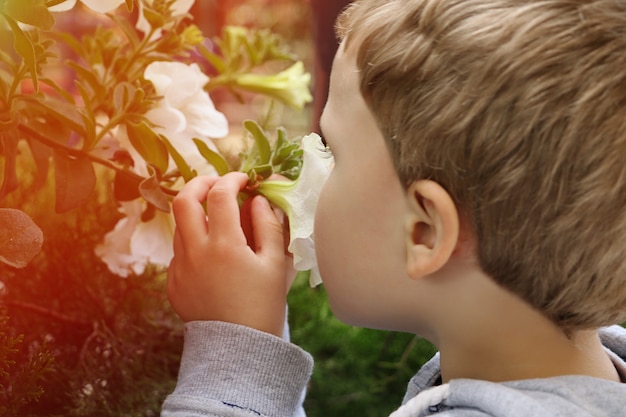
[(137, 104)]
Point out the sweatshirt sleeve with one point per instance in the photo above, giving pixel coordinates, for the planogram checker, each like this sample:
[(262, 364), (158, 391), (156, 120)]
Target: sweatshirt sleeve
[(232, 370)]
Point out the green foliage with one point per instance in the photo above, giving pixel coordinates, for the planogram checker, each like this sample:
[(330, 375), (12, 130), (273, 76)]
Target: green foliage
[(266, 157), (107, 93), (358, 372), (241, 51), (20, 383), (81, 341)]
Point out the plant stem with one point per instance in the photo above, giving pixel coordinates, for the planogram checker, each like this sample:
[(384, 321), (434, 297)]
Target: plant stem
[(46, 312), (28, 132)]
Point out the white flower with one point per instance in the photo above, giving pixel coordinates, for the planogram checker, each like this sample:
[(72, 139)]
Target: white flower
[(178, 8), (186, 111), (100, 6), (298, 199), (133, 244)]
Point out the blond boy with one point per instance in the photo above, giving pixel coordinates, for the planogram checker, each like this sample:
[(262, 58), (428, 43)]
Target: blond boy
[(477, 199)]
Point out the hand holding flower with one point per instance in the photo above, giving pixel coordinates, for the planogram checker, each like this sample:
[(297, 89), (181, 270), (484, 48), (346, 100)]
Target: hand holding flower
[(298, 199), (215, 274)]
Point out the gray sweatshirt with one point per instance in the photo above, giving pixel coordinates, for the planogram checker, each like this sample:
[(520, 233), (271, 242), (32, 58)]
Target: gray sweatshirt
[(231, 370)]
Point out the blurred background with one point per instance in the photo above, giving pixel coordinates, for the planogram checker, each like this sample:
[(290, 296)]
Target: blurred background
[(76, 340)]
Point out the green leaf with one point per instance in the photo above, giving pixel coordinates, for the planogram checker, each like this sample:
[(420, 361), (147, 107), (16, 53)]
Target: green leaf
[(125, 186), (150, 190), (261, 141), (20, 238), (24, 47), (214, 158), (61, 91), (67, 39), (85, 96), (121, 95), (215, 60), (181, 164), (8, 148), (41, 156), (263, 172), (284, 152), (31, 12), (281, 138), (156, 20), (89, 76), (89, 130), (65, 112), (149, 145), (129, 31), (75, 180)]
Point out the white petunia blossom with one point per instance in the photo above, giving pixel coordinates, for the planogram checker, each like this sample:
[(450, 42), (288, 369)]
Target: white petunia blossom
[(100, 6), (298, 199), (186, 111), (133, 244)]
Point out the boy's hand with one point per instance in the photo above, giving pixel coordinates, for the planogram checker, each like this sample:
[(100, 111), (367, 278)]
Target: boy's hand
[(215, 273)]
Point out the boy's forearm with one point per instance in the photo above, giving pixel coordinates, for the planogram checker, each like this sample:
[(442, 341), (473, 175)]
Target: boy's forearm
[(227, 369)]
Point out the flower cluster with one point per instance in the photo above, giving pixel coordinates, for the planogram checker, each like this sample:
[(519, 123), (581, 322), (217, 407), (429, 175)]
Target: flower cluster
[(139, 104)]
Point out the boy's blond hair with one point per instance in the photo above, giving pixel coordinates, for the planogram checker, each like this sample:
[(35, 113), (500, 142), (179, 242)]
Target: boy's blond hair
[(517, 108)]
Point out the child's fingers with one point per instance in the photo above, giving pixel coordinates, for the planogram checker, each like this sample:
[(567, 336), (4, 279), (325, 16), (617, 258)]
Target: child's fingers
[(267, 230), (246, 221), (223, 208), (188, 210), (178, 241)]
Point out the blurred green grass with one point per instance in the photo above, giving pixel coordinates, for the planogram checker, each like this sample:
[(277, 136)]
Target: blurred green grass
[(357, 371)]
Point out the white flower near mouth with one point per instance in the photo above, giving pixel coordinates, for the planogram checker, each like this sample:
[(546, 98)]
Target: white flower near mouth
[(100, 6), (133, 243), (298, 199), (185, 111)]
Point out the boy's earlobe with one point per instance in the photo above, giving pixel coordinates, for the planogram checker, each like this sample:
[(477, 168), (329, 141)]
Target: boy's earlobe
[(432, 228)]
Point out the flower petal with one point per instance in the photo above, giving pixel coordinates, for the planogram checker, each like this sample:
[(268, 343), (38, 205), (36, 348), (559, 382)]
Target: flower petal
[(115, 250), (203, 119), (102, 6), (63, 7), (153, 240), (167, 119), (176, 81), (142, 24), (181, 7)]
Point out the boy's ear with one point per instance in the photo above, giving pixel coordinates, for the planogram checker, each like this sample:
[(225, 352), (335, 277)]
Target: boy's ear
[(432, 228)]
